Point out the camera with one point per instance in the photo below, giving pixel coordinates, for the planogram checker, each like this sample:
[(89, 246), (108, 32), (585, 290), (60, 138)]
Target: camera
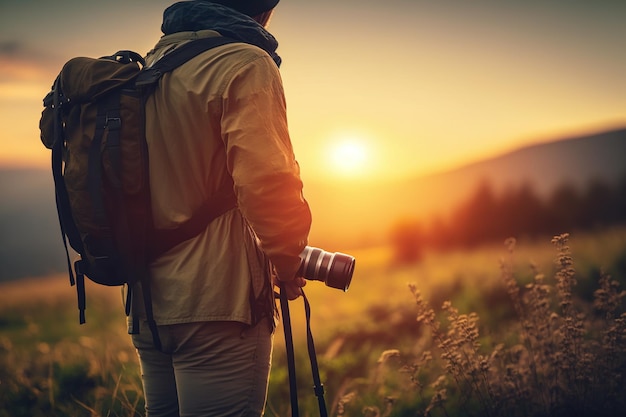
[(334, 269)]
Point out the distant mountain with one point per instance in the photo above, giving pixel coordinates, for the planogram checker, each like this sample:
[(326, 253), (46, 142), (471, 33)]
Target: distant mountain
[(30, 238), (345, 216), (546, 165)]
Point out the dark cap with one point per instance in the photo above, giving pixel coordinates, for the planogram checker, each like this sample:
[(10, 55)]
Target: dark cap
[(249, 7)]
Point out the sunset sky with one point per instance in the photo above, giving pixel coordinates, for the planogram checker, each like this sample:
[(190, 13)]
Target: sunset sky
[(375, 89)]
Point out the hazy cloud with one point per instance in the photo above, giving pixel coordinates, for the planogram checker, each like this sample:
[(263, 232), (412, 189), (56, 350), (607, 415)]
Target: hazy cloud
[(10, 48), (22, 68)]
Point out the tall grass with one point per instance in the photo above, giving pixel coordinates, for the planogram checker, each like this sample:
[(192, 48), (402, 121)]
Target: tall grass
[(560, 356), (51, 366)]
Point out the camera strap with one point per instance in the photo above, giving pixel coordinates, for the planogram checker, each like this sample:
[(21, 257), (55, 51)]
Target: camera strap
[(318, 387)]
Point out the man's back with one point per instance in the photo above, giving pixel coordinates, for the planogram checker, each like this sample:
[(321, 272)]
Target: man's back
[(217, 122)]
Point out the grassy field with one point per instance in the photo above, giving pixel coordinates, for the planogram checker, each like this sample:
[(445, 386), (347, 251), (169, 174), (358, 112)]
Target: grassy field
[(490, 351)]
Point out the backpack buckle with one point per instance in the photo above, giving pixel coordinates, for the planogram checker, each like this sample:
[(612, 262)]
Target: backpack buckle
[(113, 123)]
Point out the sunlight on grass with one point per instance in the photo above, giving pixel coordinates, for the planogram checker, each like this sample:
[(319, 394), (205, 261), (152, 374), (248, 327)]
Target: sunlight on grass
[(374, 355), (53, 366)]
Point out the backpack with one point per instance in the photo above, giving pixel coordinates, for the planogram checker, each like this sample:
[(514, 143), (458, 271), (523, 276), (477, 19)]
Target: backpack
[(94, 123)]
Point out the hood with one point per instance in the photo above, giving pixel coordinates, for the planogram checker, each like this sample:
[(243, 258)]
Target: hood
[(193, 16)]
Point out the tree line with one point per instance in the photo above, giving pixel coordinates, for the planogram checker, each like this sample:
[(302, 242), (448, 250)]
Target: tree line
[(519, 211)]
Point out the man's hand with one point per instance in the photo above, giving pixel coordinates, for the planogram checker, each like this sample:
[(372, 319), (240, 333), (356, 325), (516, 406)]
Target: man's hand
[(293, 287)]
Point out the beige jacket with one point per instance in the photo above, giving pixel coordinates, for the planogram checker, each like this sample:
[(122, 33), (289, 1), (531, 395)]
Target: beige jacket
[(220, 119)]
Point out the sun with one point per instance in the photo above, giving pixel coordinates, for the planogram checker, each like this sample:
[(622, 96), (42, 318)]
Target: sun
[(349, 155)]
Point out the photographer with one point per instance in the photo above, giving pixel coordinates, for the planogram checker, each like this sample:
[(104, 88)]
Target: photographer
[(218, 124)]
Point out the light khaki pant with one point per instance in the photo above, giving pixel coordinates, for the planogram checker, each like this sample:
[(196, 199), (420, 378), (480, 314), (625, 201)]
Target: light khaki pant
[(208, 369)]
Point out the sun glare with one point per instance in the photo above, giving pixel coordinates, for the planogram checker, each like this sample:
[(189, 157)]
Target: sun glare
[(349, 155)]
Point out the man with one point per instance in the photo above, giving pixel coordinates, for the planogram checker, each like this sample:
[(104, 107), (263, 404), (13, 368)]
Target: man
[(218, 123)]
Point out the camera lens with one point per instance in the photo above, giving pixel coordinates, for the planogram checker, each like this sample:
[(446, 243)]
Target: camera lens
[(334, 269)]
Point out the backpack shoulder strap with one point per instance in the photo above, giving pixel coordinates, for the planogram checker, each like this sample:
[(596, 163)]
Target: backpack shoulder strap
[(178, 57), (224, 200), (165, 239)]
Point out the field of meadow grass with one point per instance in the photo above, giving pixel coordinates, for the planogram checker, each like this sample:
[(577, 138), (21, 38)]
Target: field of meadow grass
[(523, 328)]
